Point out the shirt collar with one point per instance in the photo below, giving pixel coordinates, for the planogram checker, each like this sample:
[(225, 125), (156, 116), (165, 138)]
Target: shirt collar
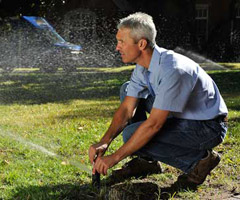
[(155, 60)]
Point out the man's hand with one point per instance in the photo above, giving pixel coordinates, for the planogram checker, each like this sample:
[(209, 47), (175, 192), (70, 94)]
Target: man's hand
[(97, 150), (102, 164)]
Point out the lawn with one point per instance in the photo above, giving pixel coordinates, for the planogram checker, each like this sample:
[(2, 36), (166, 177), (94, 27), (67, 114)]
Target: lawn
[(48, 121)]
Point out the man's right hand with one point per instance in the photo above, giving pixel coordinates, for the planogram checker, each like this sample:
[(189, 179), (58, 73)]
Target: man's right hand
[(97, 149)]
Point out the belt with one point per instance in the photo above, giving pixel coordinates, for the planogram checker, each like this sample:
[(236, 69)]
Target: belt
[(221, 118)]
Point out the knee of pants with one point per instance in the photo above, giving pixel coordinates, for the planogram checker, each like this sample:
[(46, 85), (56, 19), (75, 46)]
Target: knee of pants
[(129, 130), (123, 91), (126, 135)]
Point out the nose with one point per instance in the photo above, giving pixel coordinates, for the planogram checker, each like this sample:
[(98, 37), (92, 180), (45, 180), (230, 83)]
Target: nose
[(118, 47)]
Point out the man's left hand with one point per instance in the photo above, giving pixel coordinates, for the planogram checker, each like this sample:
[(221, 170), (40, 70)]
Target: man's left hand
[(102, 164)]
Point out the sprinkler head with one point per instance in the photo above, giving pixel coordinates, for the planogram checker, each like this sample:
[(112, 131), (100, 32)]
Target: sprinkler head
[(96, 180), (95, 177)]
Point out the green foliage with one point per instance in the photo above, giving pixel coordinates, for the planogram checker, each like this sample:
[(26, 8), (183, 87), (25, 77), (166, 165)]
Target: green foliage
[(49, 121)]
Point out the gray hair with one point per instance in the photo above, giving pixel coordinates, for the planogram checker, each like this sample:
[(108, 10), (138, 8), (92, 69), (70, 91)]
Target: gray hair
[(141, 26)]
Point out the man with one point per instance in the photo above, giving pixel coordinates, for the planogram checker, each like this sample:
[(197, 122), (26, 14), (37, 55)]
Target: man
[(187, 113)]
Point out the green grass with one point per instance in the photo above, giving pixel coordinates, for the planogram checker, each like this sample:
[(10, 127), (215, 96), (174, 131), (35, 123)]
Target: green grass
[(65, 114), (231, 65)]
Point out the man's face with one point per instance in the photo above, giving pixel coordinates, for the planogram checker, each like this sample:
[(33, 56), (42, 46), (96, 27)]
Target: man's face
[(126, 46)]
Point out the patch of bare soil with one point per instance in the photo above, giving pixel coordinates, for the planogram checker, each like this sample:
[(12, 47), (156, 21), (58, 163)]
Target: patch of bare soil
[(148, 189), (219, 192), (142, 190)]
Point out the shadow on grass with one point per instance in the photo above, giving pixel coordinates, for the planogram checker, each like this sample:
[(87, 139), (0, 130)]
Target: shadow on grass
[(147, 190), (172, 190), (123, 191), (234, 120), (233, 103), (40, 88), (227, 81), (95, 111), (64, 191)]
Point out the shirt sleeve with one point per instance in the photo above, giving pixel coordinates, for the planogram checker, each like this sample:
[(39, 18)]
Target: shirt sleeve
[(173, 91), (137, 86)]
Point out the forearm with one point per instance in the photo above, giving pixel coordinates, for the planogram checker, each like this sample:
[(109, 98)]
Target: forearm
[(145, 132), (120, 120), (139, 139), (115, 128)]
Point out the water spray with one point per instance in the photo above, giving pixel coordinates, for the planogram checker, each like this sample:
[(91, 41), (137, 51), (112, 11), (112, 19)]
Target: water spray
[(44, 150), (205, 62)]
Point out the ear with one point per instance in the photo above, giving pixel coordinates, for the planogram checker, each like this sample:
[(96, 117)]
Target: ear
[(142, 44)]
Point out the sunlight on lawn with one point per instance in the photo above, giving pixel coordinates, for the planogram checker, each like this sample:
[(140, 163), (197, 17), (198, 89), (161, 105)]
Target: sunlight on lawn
[(64, 114)]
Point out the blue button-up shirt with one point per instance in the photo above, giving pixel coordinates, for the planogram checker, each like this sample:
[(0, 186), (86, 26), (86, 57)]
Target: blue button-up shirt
[(179, 85)]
